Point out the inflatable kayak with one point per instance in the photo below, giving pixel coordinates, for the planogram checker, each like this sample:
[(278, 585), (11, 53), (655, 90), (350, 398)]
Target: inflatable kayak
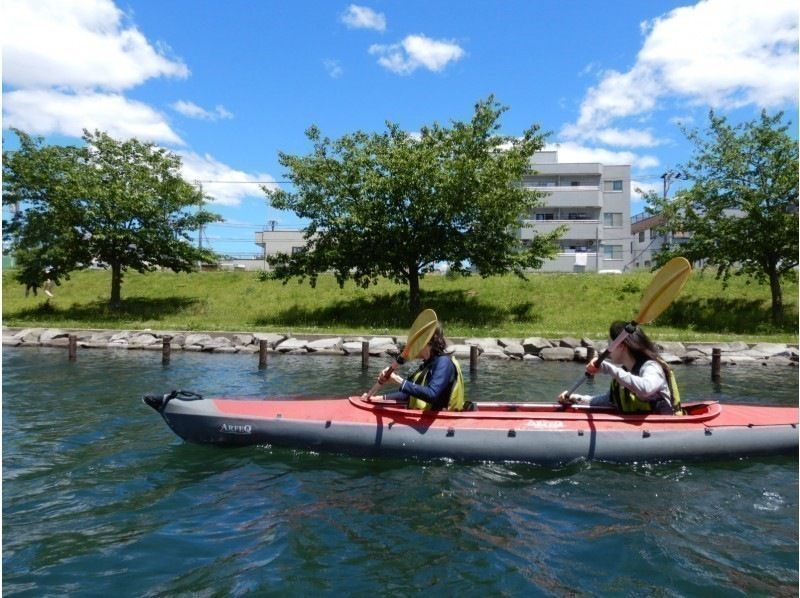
[(527, 432)]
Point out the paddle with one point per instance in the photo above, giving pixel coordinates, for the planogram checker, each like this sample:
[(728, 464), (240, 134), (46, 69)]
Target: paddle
[(661, 291), (420, 334)]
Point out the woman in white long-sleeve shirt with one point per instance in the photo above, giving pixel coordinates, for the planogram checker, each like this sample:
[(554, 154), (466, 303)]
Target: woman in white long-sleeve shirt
[(641, 381)]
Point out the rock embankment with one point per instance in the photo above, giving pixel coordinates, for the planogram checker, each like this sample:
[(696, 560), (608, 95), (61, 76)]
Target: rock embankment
[(530, 349)]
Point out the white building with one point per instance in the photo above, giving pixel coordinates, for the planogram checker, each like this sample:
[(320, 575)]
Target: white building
[(647, 241), (593, 201)]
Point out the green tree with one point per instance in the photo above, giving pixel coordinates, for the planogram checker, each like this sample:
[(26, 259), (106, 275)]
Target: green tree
[(393, 204), (741, 208), (120, 203)]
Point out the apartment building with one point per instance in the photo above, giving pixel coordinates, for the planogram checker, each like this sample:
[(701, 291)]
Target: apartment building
[(593, 201)]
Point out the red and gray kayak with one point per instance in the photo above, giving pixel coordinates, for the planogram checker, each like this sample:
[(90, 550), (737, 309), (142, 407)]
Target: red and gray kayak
[(525, 432)]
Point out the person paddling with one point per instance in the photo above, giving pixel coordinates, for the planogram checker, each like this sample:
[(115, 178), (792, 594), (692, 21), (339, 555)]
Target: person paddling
[(437, 384), (641, 381)]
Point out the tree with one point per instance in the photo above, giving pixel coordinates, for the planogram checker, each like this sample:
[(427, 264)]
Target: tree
[(741, 209), (394, 204), (118, 203)]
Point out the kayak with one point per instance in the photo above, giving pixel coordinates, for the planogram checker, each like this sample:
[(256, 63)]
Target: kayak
[(542, 433)]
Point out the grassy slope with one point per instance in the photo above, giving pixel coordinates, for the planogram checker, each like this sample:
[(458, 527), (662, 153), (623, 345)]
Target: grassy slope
[(549, 305)]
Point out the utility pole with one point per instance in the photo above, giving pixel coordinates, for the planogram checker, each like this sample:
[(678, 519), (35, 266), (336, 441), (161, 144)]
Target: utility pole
[(668, 178)]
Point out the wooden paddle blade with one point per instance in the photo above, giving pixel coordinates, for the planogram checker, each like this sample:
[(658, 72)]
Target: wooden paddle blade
[(420, 334), (663, 289)]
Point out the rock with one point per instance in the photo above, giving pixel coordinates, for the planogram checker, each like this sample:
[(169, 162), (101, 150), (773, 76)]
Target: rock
[(514, 350), (671, 358), (273, 340), (197, 339), (529, 357), (557, 354), (11, 341), (535, 344), (462, 350), (770, 349), (671, 348), (144, 340), (352, 347), (569, 342), (242, 339), (52, 333), (482, 342), (292, 344), (505, 342), (326, 344), (587, 342)]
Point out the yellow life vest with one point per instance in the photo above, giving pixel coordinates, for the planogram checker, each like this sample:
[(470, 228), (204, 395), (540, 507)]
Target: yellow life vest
[(627, 402), (456, 400)]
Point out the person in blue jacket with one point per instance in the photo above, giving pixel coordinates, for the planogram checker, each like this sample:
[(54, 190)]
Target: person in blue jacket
[(437, 384)]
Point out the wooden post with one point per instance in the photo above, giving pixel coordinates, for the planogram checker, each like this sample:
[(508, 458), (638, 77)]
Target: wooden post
[(590, 352), (716, 361), (364, 354), (262, 354), (473, 358), (73, 347), (166, 349)]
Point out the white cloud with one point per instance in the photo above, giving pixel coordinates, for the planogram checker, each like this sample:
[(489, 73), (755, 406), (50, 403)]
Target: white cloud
[(573, 152), (77, 45), (229, 185), (361, 17), (45, 112), (720, 53), (417, 51), (333, 68), (613, 137), (192, 110), (65, 65)]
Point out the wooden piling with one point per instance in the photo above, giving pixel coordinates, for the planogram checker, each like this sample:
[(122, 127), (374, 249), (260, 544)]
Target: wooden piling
[(364, 354), (473, 358), (73, 347), (166, 349), (716, 362), (262, 354), (590, 353)]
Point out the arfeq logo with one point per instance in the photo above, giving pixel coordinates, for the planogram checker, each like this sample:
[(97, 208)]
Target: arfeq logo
[(243, 429)]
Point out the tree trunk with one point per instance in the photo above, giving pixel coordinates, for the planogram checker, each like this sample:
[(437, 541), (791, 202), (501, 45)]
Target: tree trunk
[(116, 286), (777, 297), (413, 291)]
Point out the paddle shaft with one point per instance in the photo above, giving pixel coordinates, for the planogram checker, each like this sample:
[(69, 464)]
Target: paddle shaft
[(630, 327)]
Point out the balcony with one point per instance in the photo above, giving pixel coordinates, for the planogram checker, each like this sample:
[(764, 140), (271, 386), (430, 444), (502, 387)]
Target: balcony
[(568, 196), (576, 229)]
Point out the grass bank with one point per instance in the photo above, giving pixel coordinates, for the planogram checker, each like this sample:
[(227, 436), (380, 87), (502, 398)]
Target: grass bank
[(549, 305)]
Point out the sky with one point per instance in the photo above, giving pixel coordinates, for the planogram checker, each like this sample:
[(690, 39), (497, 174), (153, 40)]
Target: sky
[(229, 85)]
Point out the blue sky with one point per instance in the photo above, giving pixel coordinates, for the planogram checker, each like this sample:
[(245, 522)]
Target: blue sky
[(228, 85)]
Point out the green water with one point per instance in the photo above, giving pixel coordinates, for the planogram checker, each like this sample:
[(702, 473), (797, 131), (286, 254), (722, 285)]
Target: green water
[(101, 499)]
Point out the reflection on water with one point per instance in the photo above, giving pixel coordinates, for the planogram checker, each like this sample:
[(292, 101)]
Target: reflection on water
[(99, 495)]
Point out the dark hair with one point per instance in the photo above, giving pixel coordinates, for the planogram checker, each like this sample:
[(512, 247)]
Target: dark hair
[(438, 343), (639, 344)]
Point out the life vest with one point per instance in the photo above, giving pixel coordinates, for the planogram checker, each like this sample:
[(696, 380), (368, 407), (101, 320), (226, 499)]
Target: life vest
[(627, 402), (456, 399)]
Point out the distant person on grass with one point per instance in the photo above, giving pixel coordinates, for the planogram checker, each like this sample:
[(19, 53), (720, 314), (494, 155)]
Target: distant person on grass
[(437, 384), (641, 382)]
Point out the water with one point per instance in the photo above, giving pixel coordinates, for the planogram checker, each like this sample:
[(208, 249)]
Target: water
[(100, 498)]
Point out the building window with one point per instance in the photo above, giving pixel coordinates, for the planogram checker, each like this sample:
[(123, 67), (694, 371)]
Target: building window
[(577, 216), (612, 185), (641, 236), (296, 250), (544, 216), (575, 184), (612, 219), (612, 252)]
